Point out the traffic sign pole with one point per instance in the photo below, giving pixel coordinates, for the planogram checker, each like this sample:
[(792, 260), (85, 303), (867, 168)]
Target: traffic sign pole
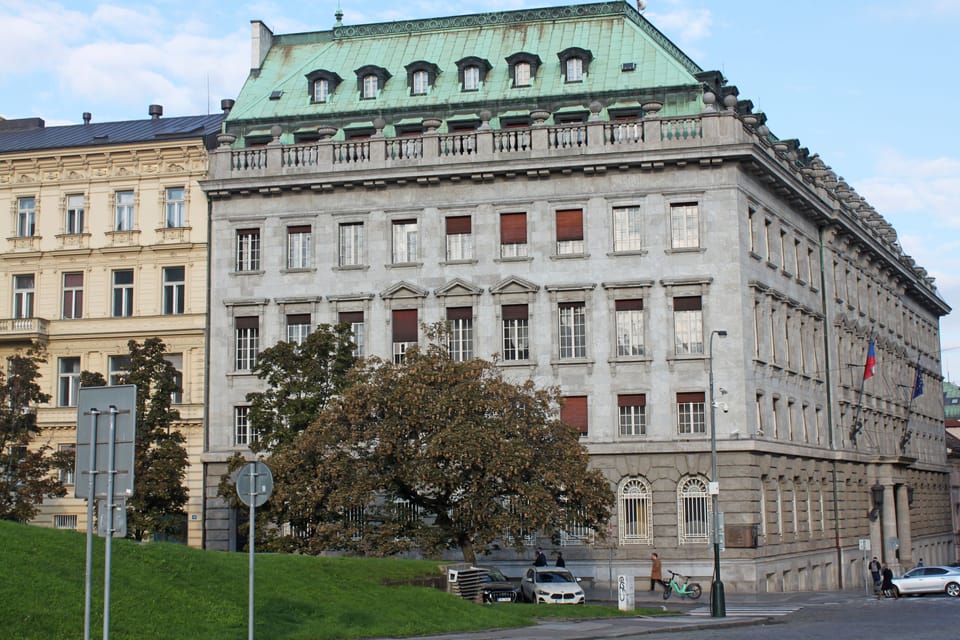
[(254, 486), (252, 537), (92, 474)]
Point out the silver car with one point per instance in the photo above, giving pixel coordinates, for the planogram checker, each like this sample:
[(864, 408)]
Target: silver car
[(929, 580)]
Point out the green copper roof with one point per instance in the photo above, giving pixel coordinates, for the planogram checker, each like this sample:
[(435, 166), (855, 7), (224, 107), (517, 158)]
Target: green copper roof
[(613, 32)]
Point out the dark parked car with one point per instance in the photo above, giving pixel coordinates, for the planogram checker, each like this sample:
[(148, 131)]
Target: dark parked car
[(498, 588)]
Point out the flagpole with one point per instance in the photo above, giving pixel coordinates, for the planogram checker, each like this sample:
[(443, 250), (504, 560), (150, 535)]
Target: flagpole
[(868, 367), (915, 390)]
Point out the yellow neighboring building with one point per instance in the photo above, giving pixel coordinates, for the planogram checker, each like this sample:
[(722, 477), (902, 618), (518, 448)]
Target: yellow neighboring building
[(105, 242)]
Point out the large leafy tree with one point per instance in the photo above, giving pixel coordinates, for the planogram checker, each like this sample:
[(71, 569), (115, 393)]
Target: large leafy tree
[(301, 379), (434, 453), (160, 464), (26, 470)]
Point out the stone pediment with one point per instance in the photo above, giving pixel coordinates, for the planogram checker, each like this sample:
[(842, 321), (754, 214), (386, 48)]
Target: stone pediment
[(514, 284), (402, 290), (458, 287)]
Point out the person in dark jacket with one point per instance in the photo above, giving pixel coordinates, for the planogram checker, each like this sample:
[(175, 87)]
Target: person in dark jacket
[(560, 561), (541, 559), (887, 589)]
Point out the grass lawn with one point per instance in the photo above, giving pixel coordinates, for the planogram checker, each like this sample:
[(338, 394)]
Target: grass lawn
[(162, 591)]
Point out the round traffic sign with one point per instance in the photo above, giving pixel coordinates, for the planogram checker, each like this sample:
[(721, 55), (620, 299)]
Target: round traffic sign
[(254, 484)]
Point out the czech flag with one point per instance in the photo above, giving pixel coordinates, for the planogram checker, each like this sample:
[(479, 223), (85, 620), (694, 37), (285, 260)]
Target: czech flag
[(871, 362)]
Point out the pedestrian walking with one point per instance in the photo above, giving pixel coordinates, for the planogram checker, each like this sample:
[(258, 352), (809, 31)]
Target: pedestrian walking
[(541, 559), (656, 571), (874, 567)]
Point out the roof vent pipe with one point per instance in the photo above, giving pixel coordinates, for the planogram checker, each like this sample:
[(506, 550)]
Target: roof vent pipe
[(227, 104), (155, 111), (86, 117)]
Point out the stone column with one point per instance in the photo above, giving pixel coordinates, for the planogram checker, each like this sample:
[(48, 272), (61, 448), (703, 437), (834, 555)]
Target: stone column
[(889, 524), (903, 526)]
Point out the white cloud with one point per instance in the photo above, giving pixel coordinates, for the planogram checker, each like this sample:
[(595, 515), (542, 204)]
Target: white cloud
[(35, 35)]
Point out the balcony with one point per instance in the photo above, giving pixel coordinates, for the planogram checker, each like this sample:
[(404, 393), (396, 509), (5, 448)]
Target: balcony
[(23, 330)]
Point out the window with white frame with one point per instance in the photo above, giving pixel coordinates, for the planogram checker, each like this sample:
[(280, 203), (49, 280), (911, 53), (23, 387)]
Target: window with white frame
[(693, 511), (575, 533), (68, 381), (635, 511), (299, 247), (471, 78), (460, 341), (248, 250), (688, 325), (685, 225), (321, 90), (404, 241), (176, 207), (124, 203), (516, 332), (23, 294), (351, 244), (298, 327), (513, 235), (66, 475), (370, 86), (72, 296), (459, 238), (122, 293), (521, 74), (574, 70), (176, 361), (572, 320), (73, 223), (632, 409), (355, 320), (627, 229), (26, 217), (690, 413), (569, 232), (174, 290), (118, 369), (404, 332), (243, 435), (629, 321), (420, 82), (247, 342)]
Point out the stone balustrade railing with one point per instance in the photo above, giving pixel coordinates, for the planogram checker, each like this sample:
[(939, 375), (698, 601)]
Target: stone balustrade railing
[(22, 328), (432, 148)]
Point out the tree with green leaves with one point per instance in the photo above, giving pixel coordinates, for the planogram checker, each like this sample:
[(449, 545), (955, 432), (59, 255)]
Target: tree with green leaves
[(160, 463), (26, 470), (433, 453), (301, 379)]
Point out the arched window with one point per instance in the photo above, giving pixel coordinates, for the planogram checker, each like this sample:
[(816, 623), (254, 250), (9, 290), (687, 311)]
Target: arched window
[(420, 83), (693, 511), (521, 74), (321, 85), (421, 77), (370, 86), (574, 63), (523, 68), (321, 90), (574, 70), (471, 72), (371, 80), (635, 511), (471, 78)]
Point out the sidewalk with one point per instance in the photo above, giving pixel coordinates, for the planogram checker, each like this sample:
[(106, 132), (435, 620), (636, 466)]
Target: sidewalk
[(741, 610)]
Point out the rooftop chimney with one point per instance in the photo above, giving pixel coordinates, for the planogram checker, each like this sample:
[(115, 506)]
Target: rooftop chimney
[(226, 105), (155, 111), (86, 117)]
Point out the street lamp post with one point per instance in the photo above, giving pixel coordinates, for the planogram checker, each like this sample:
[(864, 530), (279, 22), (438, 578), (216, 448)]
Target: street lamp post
[(718, 606)]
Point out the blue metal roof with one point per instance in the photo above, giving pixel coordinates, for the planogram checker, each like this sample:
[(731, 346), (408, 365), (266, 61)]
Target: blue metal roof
[(110, 133)]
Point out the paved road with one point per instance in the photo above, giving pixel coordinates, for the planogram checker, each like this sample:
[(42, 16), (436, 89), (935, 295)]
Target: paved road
[(797, 616)]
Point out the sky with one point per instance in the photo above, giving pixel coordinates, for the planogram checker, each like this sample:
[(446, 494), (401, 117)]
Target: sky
[(866, 84)]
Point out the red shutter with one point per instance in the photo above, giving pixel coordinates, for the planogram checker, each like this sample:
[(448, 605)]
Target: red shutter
[(513, 228), (569, 225), (695, 396), (458, 224), (632, 400), (633, 304), (574, 413), (405, 325), (459, 313), (350, 316), (687, 303), (514, 312)]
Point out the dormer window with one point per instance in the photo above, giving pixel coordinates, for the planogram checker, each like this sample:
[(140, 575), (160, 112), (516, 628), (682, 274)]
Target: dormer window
[(523, 68), (574, 62), (471, 72), (371, 80), (322, 84), (421, 76)]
